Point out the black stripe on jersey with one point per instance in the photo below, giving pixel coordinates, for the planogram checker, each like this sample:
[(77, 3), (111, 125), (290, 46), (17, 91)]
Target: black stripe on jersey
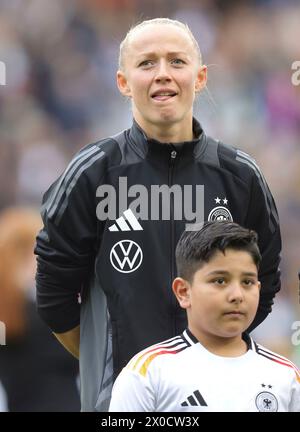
[(141, 361), (265, 355), (249, 342), (191, 336), (280, 360), (178, 340), (167, 344), (177, 343), (179, 349), (274, 356), (256, 346), (170, 346), (261, 350), (273, 216)]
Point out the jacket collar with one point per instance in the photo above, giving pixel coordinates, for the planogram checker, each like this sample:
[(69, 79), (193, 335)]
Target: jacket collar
[(151, 148)]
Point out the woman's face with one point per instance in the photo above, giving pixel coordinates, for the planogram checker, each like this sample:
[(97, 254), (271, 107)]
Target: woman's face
[(161, 75)]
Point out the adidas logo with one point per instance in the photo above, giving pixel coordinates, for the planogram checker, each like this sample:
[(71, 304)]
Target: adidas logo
[(195, 399), (130, 224)]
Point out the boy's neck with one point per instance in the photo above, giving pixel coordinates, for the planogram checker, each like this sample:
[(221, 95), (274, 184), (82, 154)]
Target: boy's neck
[(222, 346)]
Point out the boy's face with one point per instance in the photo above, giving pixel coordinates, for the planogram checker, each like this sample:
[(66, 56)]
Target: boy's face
[(161, 76), (223, 297)]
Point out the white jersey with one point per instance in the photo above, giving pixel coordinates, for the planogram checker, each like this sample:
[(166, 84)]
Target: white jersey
[(181, 375)]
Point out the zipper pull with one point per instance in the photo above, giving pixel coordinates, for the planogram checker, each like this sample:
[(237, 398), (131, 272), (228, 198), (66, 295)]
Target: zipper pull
[(173, 154)]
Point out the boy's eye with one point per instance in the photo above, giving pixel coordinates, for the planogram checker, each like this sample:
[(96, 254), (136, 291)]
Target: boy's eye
[(219, 281), (249, 282)]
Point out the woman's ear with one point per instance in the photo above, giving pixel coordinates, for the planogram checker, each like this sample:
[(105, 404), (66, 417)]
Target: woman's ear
[(123, 85), (181, 289), (201, 79)]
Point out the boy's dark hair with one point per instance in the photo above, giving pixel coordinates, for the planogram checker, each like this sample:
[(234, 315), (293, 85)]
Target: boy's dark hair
[(196, 247)]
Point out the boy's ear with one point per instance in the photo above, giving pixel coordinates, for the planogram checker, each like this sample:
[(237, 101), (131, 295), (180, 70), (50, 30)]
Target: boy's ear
[(123, 85), (181, 289)]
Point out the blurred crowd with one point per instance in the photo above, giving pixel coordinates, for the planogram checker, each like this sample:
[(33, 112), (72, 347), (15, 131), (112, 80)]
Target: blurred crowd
[(36, 372), (60, 94)]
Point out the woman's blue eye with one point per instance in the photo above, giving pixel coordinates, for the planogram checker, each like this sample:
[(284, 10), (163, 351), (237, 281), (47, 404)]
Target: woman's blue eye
[(145, 63), (178, 61)]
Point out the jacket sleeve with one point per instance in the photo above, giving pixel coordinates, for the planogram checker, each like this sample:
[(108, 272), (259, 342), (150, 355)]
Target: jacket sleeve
[(263, 218), (66, 245)]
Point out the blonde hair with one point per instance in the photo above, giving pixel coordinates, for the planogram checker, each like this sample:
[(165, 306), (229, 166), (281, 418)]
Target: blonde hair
[(159, 21)]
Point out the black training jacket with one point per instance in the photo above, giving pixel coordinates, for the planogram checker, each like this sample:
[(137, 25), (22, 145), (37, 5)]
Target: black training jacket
[(111, 224)]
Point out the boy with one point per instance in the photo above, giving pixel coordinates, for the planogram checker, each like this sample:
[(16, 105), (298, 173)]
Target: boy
[(213, 365)]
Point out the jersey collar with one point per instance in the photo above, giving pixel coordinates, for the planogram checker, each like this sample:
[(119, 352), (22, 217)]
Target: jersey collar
[(152, 148), (192, 340)]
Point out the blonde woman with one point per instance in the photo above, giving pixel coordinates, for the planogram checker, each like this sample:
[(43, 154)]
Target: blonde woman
[(112, 220)]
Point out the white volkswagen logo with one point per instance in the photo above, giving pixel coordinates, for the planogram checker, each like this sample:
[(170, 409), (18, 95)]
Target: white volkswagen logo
[(126, 256)]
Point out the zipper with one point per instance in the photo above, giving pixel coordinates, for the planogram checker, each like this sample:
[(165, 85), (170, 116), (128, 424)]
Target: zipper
[(173, 156)]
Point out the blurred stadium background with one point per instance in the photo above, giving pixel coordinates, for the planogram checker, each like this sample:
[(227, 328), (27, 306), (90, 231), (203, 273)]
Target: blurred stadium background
[(60, 94)]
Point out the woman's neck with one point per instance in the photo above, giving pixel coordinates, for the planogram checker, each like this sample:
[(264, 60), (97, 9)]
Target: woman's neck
[(168, 133)]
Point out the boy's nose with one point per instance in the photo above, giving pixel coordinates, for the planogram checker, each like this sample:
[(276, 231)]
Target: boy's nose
[(236, 293)]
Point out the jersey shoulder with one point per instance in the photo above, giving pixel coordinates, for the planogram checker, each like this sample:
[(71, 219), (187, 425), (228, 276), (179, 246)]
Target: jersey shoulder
[(238, 162), (229, 159), (150, 356), (106, 149), (277, 361)]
